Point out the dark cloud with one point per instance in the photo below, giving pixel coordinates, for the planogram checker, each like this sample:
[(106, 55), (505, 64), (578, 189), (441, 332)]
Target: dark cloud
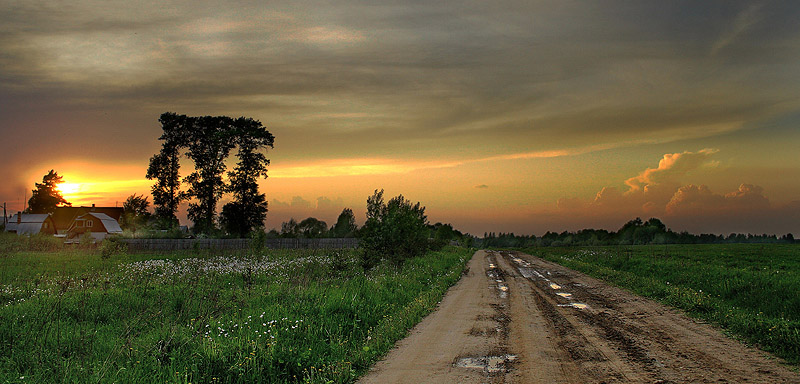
[(482, 186), (355, 79)]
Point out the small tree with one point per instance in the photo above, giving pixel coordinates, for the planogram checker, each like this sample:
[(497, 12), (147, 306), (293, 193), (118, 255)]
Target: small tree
[(311, 228), (289, 228), (345, 225), (135, 213), (46, 197), (396, 230)]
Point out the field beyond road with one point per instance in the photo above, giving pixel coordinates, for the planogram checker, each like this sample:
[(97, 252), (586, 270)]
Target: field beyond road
[(515, 318), (186, 317)]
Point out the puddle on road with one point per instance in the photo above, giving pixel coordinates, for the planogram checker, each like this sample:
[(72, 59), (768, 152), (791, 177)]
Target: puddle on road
[(489, 364), (555, 286), (574, 305), (520, 262), (526, 272), (564, 294), (492, 265), (503, 290)]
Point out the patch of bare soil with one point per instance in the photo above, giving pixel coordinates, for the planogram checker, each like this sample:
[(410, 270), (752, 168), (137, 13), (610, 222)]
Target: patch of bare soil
[(515, 318)]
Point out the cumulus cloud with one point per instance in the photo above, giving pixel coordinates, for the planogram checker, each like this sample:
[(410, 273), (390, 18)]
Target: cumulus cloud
[(696, 200), (671, 168), (660, 191)]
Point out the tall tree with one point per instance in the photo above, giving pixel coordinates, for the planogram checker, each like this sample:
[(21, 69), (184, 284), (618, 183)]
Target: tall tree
[(165, 168), (46, 197), (207, 141), (211, 140), (248, 210)]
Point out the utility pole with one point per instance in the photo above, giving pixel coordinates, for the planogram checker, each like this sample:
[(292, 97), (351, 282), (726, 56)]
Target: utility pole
[(5, 217)]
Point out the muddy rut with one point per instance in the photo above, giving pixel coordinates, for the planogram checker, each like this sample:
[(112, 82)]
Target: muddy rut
[(515, 318)]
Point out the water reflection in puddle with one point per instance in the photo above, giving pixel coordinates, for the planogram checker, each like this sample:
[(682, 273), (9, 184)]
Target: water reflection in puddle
[(503, 290), (574, 305), (489, 364), (564, 294), (526, 272), (555, 286)]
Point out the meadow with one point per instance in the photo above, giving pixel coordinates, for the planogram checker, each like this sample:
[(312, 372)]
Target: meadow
[(749, 290), (272, 316)]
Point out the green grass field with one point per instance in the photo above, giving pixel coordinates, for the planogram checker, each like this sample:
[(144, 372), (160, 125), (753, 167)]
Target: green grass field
[(276, 316), (750, 290)]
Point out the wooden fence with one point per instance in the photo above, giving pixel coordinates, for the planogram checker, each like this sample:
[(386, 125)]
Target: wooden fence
[(141, 245)]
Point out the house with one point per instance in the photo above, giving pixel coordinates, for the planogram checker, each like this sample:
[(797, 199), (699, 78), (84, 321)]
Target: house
[(98, 225), (31, 224), (64, 216)]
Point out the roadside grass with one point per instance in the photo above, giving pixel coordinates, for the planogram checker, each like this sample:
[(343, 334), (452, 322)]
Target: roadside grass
[(277, 316), (750, 290)]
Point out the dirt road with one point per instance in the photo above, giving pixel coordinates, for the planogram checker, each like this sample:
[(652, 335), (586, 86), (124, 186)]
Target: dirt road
[(514, 318)]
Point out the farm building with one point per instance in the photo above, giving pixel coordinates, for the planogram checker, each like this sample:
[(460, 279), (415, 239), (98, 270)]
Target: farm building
[(99, 225), (63, 217), (31, 224)]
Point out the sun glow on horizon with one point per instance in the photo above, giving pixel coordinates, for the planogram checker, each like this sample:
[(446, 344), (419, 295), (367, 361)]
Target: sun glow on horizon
[(80, 193)]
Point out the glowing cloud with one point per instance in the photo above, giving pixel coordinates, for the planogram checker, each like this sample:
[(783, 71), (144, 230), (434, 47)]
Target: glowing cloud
[(670, 168)]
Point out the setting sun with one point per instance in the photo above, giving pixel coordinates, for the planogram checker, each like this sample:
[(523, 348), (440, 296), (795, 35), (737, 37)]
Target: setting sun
[(70, 189)]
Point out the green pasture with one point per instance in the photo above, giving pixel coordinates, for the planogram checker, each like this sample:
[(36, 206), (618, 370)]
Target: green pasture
[(256, 317)]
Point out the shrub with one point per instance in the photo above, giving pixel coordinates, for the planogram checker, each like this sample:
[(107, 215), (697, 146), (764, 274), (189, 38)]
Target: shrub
[(112, 246), (10, 242), (258, 240), (395, 231)]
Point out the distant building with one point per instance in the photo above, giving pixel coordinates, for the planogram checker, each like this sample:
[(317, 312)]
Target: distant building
[(31, 224), (64, 216), (98, 225)]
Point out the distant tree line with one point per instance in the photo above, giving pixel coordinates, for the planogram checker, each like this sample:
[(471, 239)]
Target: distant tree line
[(634, 232), (207, 141), (346, 226)]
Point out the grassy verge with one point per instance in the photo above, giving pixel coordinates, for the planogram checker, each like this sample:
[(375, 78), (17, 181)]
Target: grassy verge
[(750, 290), (279, 316)]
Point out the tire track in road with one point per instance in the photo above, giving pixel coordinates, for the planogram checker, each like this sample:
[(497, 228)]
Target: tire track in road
[(515, 318)]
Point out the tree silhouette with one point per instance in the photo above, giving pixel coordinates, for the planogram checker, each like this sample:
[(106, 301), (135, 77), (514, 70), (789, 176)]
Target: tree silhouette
[(208, 141), (289, 228), (312, 228), (248, 210), (165, 167), (345, 225), (46, 197), (135, 213)]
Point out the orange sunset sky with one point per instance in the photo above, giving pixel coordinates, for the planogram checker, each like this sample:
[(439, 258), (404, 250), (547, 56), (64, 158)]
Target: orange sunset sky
[(512, 116)]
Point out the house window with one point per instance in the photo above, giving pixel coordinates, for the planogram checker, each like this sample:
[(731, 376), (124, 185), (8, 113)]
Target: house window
[(45, 225), (89, 223)]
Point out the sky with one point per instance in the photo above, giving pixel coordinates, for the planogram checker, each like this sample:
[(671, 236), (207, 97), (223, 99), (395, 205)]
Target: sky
[(505, 116)]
